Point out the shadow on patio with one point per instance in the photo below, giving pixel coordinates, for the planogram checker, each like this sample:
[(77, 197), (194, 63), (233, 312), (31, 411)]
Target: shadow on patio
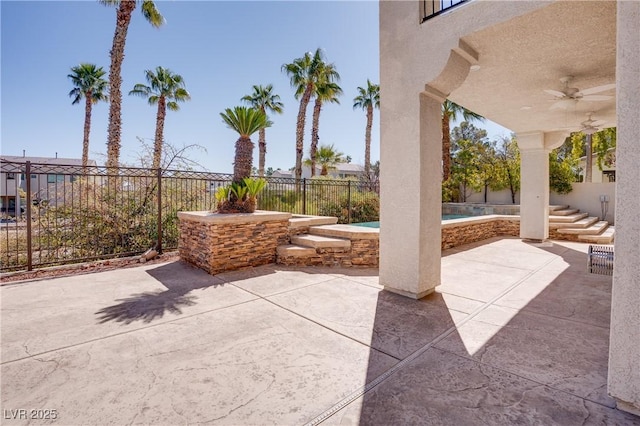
[(530, 344)]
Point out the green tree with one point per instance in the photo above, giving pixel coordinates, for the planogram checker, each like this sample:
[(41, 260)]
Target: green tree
[(303, 74), (328, 157), (368, 98), (326, 90), (599, 143), (165, 89), (265, 100), (563, 167), (451, 111), (124, 11), (90, 85), (470, 163), (508, 167), (246, 121)]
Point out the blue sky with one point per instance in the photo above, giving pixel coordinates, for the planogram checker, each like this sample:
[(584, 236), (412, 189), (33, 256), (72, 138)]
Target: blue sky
[(220, 48)]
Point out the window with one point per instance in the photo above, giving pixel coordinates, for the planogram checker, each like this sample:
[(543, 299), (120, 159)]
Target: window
[(55, 178)]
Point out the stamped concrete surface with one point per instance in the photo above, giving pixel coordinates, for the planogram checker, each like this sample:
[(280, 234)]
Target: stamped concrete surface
[(516, 334)]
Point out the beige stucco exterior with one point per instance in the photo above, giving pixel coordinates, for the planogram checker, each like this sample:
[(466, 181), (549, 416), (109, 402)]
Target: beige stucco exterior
[(497, 58)]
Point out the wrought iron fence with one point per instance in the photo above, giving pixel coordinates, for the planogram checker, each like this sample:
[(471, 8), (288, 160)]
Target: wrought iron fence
[(432, 8), (54, 214)]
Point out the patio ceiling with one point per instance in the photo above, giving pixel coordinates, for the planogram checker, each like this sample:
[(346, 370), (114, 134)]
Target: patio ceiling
[(520, 58)]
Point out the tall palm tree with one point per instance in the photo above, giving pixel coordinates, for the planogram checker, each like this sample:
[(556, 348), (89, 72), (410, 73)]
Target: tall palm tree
[(303, 74), (326, 90), (246, 121), (368, 98), (90, 85), (451, 110), (124, 11), (165, 89), (327, 156), (263, 99)]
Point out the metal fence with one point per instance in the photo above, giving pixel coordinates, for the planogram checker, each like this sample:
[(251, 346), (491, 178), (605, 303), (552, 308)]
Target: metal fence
[(53, 214)]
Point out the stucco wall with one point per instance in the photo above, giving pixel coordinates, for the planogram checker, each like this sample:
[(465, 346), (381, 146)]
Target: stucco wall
[(586, 197), (624, 349), (494, 197)]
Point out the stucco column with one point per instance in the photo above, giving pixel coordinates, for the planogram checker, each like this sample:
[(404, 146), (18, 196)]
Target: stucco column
[(624, 347), (534, 186), (410, 211)]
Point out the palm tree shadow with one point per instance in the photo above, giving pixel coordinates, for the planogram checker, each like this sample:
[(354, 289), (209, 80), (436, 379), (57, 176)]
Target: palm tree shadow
[(179, 278)]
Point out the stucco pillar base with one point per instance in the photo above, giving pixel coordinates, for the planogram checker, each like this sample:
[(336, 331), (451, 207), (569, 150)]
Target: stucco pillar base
[(409, 294), (628, 407)]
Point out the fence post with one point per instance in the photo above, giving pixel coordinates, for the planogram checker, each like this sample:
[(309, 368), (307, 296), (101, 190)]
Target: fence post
[(304, 195), (27, 174), (159, 245), (349, 201)]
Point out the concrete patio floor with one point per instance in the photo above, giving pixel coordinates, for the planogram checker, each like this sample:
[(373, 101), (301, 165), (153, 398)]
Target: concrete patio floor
[(516, 334)]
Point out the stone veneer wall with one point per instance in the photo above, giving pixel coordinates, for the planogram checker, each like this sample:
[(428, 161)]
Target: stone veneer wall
[(459, 233), (363, 253), (218, 243)]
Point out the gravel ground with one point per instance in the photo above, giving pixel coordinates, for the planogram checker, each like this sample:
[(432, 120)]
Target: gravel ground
[(85, 268)]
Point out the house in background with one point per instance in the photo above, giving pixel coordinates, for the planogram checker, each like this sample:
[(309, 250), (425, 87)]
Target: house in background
[(48, 178), (341, 171), (510, 61), (608, 172)]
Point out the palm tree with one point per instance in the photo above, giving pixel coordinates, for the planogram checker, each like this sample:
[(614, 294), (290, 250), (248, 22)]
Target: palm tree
[(246, 121), (90, 85), (123, 18), (303, 73), (367, 99), (327, 156), (165, 89), (326, 90), (263, 99), (451, 110)]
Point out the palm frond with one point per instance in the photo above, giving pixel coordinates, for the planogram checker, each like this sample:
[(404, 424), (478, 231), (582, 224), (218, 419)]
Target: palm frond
[(152, 14)]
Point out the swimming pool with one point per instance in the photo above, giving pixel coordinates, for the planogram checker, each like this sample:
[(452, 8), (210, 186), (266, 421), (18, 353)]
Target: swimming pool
[(444, 217)]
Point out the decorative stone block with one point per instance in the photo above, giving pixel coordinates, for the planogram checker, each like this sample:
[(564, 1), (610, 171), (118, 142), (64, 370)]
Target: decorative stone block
[(226, 242)]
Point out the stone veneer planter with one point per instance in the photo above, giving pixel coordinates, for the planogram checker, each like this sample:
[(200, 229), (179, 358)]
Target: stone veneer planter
[(225, 242), (457, 232)]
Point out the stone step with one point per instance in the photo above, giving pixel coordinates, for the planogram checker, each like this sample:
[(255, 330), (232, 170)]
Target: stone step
[(300, 221), (578, 224), (564, 212), (293, 250), (318, 241), (605, 237), (567, 218), (350, 232), (557, 207), (596, 229)]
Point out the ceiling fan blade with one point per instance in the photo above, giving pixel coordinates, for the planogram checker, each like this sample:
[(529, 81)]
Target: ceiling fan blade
[(555, 93), (563, 104), (593, 98), (598, 89), (598, 123)]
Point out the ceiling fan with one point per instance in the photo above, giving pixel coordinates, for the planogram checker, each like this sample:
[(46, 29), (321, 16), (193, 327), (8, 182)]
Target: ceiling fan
[(569, 95), (590, 126)]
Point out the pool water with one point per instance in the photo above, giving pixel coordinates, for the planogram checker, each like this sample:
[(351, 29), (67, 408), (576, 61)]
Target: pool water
[(444, 217)]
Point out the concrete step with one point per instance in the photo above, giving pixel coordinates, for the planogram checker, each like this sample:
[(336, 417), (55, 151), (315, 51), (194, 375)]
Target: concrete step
[(350, 232), (567, 218), (318, 241), (557, 207), (605, 237), (564, 212), (295, 251), (578, 224), (300, 221), (596, 229)]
